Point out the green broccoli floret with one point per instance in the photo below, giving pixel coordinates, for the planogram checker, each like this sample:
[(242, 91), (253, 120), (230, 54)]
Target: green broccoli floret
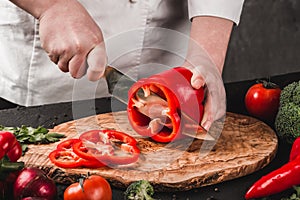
[(139, 190), (287, 122)]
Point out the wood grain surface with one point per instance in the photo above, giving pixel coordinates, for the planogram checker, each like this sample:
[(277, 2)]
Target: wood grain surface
[(244, 146)]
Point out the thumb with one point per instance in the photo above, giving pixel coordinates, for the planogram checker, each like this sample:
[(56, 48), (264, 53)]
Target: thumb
[(197, 80), (97, 61)]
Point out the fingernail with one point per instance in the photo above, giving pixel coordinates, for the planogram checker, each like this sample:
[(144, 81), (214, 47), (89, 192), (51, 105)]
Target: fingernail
[(206, 125), (197, 84)]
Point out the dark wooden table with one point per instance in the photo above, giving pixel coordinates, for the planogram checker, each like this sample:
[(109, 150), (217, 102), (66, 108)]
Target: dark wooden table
[(51, 115)]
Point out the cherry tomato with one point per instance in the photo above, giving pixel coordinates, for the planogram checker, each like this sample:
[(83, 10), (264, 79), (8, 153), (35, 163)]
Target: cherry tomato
[(262, 100), (94, 187)]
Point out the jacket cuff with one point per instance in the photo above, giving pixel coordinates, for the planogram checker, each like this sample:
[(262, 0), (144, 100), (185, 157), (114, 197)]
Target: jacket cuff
[(228, 9)]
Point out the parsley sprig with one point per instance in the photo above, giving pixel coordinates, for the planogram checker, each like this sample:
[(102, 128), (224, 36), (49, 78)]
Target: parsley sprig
[(30, 135), (294, 196)]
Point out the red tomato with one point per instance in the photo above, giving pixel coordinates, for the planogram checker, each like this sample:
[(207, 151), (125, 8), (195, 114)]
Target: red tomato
[(94, 187), (262, 101)]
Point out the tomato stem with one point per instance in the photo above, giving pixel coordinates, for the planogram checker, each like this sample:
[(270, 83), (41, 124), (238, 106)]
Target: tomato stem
[(81, 180), (268, 84)]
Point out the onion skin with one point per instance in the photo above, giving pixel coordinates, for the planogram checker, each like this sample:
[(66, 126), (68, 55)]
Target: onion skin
[(6, 185), (32, 183)]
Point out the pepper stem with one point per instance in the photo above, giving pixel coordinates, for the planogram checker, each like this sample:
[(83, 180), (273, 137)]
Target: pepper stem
[(7, 166)]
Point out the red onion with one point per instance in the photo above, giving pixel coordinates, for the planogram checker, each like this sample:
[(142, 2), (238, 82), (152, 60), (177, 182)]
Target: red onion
[(33, 182)]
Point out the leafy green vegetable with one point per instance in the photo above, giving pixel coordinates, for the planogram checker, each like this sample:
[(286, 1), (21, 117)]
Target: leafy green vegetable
[(295, 196), (287, 122), (139, 190), (30, 135)]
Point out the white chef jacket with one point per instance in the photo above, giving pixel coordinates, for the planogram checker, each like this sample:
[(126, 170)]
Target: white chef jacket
[(136, 32)]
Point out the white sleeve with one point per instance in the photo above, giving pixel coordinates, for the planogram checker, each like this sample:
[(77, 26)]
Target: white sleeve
[(228, 9)]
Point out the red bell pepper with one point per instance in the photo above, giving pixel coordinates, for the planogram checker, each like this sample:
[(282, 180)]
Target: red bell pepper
[(277, 181), (155, 104), (108, 146), (295, 151), (9, 146)]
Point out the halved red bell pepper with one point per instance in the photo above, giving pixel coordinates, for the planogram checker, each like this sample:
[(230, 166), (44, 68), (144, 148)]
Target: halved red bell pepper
[(156, 104), (9, 146), (108, 146)]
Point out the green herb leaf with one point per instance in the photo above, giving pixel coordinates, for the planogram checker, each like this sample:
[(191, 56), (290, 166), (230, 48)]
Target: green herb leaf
[(30, 135), (294, 196)]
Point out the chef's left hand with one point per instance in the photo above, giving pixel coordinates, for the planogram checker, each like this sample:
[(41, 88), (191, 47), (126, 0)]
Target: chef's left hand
[(207, 49), (215, 100)]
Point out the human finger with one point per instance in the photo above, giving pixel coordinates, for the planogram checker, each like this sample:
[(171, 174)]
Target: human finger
[(53, 58), (77, 66), (207, 118), (97, 62), (197, 80), (63, 60)]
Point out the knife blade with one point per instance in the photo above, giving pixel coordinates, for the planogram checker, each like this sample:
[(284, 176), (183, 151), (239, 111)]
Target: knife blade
[(119, 85)]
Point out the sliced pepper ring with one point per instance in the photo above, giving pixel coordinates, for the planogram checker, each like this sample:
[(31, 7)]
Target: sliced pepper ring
[(64, 159), (112, 148), (63, 156), (67, 144), (68, 159)]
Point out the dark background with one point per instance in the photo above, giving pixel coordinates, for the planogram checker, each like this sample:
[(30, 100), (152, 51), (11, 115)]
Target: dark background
[(266, 42), (265, 45)]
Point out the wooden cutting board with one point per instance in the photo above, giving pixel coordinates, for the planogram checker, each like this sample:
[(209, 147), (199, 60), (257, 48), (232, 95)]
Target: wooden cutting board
[(244, 146)]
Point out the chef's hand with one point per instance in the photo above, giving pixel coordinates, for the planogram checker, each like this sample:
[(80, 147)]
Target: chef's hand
[(209, 77), (206, 55), (71, 38), (69, 35)]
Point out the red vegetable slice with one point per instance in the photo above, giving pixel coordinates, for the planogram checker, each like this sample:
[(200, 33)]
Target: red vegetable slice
[(108, 146), (67, 144), (64, 159), (68, 159), (64, 156)]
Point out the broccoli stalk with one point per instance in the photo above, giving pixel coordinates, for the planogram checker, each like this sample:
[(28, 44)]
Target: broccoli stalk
[(139, 190), (287, 122)]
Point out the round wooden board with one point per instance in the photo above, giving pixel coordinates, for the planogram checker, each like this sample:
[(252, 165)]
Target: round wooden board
[(244, 146)]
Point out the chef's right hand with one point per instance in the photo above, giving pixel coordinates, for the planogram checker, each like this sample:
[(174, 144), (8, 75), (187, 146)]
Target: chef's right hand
[(73, 40)]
